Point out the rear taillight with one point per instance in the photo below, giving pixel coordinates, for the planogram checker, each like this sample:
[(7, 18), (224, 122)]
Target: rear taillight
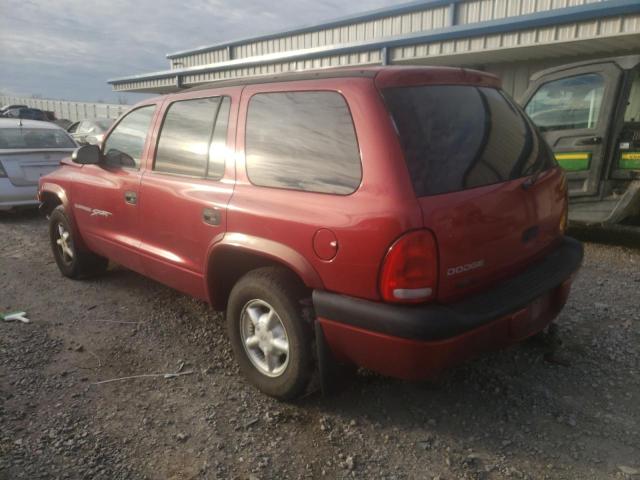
[(410, 269)]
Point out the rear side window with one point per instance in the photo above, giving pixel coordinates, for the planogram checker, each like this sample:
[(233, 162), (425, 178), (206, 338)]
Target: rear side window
[(302, 141), (460, 137), (188, 143), (123, 148)]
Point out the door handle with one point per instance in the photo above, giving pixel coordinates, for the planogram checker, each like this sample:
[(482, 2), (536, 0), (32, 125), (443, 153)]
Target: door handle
[(131, 198), (590, 141), (211, 216)]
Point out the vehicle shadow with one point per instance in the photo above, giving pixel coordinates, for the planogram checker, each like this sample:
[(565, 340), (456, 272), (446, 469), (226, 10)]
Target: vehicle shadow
[(621, 235), (19, 216)]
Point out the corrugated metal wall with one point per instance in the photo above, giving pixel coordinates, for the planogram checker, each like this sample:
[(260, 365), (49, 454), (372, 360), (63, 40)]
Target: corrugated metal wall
[(205, 58), (145, 84), (484, 10), (73, 111), (372, 30), (363, 58), (469, 12), (607, 27)]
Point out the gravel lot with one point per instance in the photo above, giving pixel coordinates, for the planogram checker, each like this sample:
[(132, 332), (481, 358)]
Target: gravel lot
[(558, 406)]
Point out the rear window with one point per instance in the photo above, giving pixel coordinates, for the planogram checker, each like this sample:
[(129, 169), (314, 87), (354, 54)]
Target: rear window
[(17, 138), (460, 137)]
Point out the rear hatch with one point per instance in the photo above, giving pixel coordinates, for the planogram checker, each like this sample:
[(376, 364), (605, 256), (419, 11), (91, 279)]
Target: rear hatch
[(486, 182), (25, 167)]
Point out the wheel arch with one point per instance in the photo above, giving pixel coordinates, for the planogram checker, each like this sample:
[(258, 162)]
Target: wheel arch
[(51, 196), (237, 254)]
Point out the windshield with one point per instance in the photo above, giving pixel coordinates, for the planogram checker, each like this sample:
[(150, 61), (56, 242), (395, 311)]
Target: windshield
[(19, 138), (461, 137)]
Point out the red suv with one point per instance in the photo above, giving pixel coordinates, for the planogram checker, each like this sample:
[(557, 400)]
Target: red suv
[(399, 219)]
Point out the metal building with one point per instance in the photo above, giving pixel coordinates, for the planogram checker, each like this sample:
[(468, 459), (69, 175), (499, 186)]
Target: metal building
[(511, 38)]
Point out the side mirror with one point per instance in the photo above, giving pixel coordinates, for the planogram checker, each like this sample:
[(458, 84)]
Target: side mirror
[(87, 155)]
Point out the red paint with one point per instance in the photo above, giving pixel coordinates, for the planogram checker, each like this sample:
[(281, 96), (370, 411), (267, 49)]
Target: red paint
[(163, 235), (418, 360), (486, 224), (325, 244)]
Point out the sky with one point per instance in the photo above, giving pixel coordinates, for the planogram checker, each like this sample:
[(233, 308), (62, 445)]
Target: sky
[(68, 49)]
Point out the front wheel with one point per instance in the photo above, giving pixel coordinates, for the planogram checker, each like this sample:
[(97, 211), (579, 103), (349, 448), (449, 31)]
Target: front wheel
[(72, 261), (270, 338)]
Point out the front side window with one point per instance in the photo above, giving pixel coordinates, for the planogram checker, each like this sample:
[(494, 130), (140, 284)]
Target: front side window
[(125, 145), (567, 104), (302, 141), (188, 143)]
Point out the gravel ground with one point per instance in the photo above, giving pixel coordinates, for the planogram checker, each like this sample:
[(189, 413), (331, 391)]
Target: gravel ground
[(558, 406)]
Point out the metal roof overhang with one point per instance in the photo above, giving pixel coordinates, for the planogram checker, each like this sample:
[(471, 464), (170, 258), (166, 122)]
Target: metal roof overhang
[(604, 45)]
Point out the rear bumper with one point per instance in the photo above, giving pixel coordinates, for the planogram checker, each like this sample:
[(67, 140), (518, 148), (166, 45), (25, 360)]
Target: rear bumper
[(12, 196), (416, 342)]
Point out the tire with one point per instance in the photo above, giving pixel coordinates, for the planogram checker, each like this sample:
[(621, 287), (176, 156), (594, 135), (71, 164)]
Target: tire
[(258, 336), (72, 261)]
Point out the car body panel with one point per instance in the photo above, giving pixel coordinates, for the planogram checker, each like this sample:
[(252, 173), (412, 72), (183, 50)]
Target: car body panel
[(176, 239), (109, 223), (292, 217), (488, 233)]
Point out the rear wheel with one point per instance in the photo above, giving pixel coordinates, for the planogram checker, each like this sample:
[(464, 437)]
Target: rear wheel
[(72, 261), (271, 340)]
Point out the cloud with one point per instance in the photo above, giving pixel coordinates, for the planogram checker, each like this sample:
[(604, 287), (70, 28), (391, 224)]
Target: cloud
[(69, 48)]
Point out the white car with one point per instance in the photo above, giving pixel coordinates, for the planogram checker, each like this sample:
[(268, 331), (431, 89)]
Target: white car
[(29, 149)]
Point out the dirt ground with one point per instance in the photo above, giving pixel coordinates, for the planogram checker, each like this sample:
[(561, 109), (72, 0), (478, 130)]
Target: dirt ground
[(565, 406)]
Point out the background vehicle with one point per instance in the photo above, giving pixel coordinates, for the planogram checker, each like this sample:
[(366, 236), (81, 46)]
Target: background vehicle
[(90, 131), (26, 113), (403, 219), (8, 107), (28, 150), (63, 123), (589, 112)]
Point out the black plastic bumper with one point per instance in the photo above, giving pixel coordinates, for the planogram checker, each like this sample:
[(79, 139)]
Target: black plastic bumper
[(437, 322)]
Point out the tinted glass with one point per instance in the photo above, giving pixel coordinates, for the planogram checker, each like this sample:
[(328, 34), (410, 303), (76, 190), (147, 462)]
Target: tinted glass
[(125, 144), (33, 114), (302, 141), (218, 148), (568, 103), (34, 138), (461, 137), (183, 147)]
